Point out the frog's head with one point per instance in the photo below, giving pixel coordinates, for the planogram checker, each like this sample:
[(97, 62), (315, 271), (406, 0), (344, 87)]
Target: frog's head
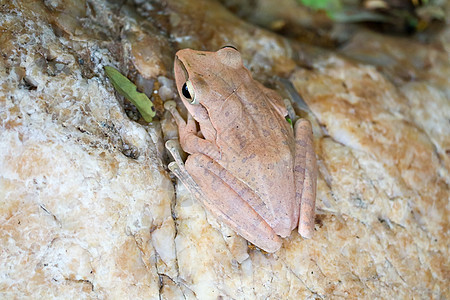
[(207, 78)]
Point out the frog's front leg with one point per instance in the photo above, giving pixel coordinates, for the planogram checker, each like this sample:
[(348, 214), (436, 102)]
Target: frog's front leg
[(305, 172), (189, 140)]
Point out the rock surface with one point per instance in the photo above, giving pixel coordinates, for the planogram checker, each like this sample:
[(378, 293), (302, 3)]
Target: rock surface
[(89, 210)]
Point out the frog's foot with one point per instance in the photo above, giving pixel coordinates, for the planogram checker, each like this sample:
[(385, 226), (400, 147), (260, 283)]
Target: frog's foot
[(177, 167), (228, 205), (305, 172)]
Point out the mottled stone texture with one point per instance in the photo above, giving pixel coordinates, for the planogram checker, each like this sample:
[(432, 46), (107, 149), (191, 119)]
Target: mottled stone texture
[(87, 207)]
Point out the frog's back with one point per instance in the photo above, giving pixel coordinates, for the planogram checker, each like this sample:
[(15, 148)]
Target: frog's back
[(249, 118), (256, 144)]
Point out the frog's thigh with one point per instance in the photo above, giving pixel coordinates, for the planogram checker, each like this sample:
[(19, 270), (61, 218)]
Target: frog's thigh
[(227, 205), (305, 173)]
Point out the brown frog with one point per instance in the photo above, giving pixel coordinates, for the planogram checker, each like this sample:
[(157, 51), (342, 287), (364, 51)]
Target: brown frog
[(247, 165)]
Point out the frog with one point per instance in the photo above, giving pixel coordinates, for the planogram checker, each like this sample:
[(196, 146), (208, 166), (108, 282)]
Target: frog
[(247, 164)]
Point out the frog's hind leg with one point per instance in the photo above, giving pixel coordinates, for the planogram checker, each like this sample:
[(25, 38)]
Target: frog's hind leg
[(208, 186), (229, 205), (305, 173)]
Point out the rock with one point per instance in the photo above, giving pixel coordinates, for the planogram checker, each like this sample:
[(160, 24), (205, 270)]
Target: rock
[(89, 210)]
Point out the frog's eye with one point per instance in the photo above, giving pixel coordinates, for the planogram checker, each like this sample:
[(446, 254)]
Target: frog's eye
[(188, 92)]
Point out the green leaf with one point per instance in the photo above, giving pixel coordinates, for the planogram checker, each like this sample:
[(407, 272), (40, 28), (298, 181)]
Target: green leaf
[(316, 4), (331, 7), (129, 90)]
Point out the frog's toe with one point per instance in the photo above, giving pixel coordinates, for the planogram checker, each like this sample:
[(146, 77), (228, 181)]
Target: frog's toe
[(169, 105), (283, 228)]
